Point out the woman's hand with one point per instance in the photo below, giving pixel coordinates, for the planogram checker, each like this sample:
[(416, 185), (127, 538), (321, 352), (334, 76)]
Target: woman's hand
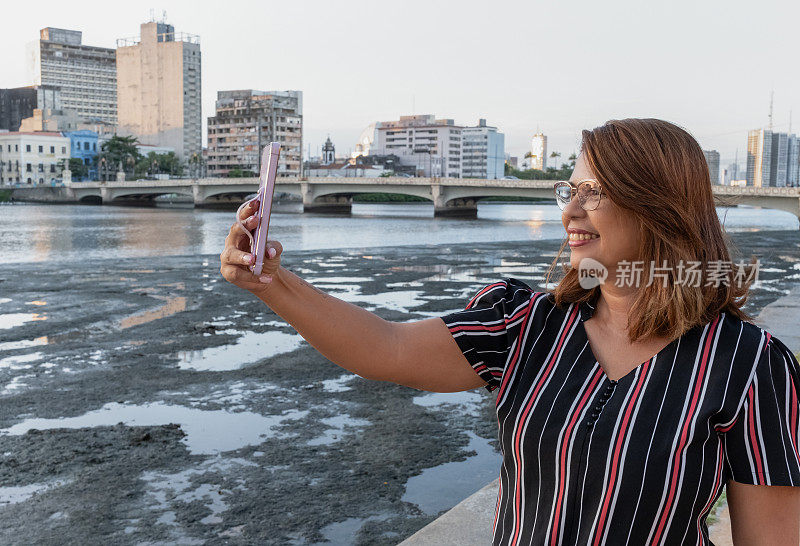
[(235, 259)]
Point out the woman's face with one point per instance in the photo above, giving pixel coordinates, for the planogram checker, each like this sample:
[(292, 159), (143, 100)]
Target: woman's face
[(615, 231)]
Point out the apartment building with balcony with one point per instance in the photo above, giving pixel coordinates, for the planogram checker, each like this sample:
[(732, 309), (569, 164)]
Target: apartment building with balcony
[(482, 152), (246, 120), (432, 146)]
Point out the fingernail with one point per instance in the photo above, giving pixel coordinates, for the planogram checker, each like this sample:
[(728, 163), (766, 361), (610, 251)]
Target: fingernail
[(271, 252), (265, 279), (247, 258)]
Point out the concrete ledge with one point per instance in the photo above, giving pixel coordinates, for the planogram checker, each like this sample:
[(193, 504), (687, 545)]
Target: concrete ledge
[(469, 523)]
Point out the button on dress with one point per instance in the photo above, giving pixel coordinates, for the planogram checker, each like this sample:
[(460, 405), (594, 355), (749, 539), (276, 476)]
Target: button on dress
[(640, 460)]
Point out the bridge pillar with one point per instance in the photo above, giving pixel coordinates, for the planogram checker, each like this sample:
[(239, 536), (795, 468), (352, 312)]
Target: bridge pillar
[(329, 204), (105, 196), (453, 208), (198, 195)]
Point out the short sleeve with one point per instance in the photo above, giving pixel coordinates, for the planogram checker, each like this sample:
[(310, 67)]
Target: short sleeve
[(761, 448), (489, 325)]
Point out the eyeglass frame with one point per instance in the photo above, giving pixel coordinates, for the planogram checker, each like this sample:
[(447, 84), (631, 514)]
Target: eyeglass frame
[(573, 186)]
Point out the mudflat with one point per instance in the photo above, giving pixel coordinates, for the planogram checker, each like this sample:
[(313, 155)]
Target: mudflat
[(146, 400)]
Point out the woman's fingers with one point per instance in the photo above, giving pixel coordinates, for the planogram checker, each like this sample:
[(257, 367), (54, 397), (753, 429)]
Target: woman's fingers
[(249, 209), (234, 256), (273, 250)]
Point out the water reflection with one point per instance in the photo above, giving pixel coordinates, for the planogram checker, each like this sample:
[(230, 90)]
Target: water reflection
[(73, 232)]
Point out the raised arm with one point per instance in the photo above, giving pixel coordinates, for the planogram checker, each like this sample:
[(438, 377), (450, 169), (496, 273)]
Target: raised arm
[(419, 354)]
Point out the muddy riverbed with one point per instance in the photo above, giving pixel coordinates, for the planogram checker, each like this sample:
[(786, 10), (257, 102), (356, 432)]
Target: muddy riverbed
[(147, 401)]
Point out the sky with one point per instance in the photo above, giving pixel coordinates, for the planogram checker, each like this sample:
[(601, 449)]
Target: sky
[(558, 66)]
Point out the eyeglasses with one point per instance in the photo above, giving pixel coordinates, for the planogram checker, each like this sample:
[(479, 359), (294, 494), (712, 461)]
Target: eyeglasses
[(588, 190)]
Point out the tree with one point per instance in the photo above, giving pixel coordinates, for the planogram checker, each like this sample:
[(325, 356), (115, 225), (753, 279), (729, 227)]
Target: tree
[(154, 163), (78, 169), (238, 172), (555, 155), (118, 151)]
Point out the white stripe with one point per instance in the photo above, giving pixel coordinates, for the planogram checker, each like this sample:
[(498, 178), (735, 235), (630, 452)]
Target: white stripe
[(679, 429), (693, 425), (524, 403), (631, 424), (650, 446), (610, 454)]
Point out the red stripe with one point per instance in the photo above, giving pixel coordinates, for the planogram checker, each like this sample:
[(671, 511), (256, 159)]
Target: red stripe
[(619, 441), (563, 452), (518, 433), (482, 327), (793, 418), (695, 395), (513, 361), (753, 439), (714, 490), (497, 508), (482, 292)]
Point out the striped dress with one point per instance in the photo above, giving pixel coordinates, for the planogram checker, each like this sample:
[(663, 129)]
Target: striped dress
[(640, 460)]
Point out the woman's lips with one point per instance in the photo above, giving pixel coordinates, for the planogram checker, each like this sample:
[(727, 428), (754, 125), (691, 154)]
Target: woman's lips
[(580, 239)]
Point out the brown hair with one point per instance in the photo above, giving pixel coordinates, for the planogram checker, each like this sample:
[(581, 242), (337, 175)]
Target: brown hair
[(657, 171)]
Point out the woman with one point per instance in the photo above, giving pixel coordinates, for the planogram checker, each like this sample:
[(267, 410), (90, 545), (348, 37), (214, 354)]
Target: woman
[(624, 406)]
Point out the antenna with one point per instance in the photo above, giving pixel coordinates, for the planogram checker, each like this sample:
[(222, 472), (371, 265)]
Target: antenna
[(771, 97)]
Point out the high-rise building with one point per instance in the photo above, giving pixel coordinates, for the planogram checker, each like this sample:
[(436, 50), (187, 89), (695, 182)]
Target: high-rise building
[(482, 152), (793, 161), (759, 157), (712, 159), (246, 121), (432, 146), (86, 75), (772, 159), (19, 103), (539, 152), (158, 88)]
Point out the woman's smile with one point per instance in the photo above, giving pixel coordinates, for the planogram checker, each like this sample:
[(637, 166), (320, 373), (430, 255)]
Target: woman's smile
[(580, 237)]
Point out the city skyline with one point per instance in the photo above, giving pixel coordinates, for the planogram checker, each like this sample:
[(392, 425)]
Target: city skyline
[(687, 65)]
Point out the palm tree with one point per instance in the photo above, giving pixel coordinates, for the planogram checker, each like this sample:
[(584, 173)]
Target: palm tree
[(555, 155)]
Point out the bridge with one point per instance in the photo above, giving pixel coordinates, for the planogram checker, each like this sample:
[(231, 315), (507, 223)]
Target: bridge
[(450, 196)]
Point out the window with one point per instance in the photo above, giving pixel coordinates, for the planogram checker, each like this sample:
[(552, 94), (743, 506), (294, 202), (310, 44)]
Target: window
[(27, 147), (41, 149), (85, 145), (28, 169), (52, 168), (41, 181), (53, 149), (63, 149), (41, 168)]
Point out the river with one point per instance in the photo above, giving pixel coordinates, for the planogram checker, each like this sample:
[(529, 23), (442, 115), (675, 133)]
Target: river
[(59, 233)]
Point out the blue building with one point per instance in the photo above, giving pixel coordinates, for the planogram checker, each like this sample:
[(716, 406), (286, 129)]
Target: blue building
[(83, 146)]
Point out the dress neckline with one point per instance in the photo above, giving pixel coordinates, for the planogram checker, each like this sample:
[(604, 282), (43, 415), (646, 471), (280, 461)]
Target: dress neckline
[(586, 311)]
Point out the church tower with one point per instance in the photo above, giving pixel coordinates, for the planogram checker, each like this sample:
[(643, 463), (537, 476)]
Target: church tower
[(328, 153)]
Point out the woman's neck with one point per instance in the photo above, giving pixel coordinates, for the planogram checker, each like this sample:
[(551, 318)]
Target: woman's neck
[(614, 306)]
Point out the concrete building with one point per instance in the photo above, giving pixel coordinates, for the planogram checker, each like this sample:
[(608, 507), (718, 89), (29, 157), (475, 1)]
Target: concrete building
[(19, 103), (158, 88), (712, 159), (539, 152), (66, 120), (432, 146), (84, 146), (482, 152), (246, 121), (86, 75), (772, 159), (32, 158), (759, 157)]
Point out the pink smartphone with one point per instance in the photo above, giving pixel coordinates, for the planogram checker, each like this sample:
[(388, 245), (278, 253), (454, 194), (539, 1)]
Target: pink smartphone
[(269, 170)]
